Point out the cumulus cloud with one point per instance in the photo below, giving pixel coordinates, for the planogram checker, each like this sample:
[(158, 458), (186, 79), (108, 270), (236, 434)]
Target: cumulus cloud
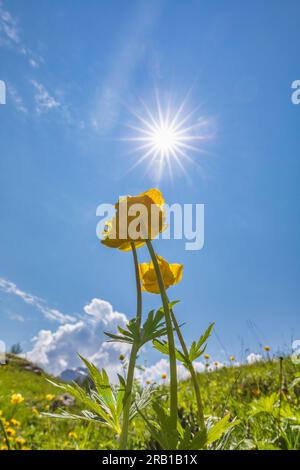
[(253, 357), (50, 313), (154, 373), (58, 350)]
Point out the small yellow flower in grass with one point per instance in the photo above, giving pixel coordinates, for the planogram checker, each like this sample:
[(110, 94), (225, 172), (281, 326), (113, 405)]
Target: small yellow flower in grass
[(73, 435), (47, 407), (35, 411), (50, 397), (10, 431), (20, 440), (138, 218), (232, 358), (171, 274), (121, 357), (267, 348), (15, 422), (16, 398), (148, 382), (164, 376), (4, 447), (206, 356), (216, 363)]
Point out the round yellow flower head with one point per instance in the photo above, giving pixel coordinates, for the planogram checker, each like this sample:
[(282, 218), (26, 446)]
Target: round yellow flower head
[(15, 422), (164, 376), (148, 382), (267, 348), (232, 358), (171, 274), (16, 398), (10, 431), (206, 364), (206, 356), (121, 357), (216, 363), (20, 440), (50, 397), (138, 218), (73, 435)]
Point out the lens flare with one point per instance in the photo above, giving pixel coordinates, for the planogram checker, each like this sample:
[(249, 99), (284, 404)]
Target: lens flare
[(167, 137)]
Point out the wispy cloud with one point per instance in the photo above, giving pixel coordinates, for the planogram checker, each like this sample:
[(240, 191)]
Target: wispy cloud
[(17, 99), (43, 99), (50, 313), (10, 36)]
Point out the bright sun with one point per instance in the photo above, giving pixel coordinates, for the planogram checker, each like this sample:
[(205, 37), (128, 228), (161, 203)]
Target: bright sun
[(167, 137)]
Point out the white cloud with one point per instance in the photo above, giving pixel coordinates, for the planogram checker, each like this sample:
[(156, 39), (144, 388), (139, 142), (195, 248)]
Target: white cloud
[(16, 317), (17, 99), (58, 350), (44, 101), (253, 357), (10, 36), (154, 373), (50, 313)]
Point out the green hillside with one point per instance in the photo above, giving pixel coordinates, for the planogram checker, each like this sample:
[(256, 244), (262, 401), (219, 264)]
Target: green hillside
[(266, 403)]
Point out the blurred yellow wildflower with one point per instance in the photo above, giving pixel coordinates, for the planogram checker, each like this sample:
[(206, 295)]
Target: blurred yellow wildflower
[(10, 431), (73, 435), (164, 376), (121, 357), (35, 411), (148, 382), (267, 348), (171, 274), (206, 356), (16, 398), (50, 397), (15, 422), (232, 358), (20, 440), (138, 218)]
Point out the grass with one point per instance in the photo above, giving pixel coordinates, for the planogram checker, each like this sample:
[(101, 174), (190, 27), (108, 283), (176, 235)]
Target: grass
[(267, 407)]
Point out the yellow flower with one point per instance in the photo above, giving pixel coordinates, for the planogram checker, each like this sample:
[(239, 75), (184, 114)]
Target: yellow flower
[(15, 422), (164, 376), (121, 357), (267, 348), (138, 218), (216, 363), (49, 397), (73, 435), (35, 411), (47, 407), (16, 398), (232, 358), (148, 382), (10, 432), (171, 274), (206, 356), (20, 440), (3, 447)]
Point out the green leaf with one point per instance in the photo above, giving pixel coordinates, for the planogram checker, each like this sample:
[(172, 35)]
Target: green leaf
[(216, 431)]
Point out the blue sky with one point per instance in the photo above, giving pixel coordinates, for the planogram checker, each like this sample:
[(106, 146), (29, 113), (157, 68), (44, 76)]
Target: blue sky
[(73, 70)]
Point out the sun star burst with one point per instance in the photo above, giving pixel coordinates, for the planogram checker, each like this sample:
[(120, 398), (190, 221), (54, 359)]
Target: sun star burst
[(166, 137)]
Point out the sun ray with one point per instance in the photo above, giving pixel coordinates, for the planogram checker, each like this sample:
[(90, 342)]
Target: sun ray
[(167, 136)]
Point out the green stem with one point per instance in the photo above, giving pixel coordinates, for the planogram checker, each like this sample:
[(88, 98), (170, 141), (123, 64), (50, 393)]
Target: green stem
[(133, 357), (5, 434), (193, 374), (172, 352)]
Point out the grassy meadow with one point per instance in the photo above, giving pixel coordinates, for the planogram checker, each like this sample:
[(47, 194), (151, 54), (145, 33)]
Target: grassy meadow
[(262, 399)]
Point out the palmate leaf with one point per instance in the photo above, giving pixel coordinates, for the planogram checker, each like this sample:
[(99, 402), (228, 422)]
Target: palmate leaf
[(196, 350), (216, 431), (153, 327), (161, 429)]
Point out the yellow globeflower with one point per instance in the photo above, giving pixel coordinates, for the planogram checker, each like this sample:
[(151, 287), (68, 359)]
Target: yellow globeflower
[(138, 218), (206, 356), (10, 431), (164, 376), (73, 435), (16, 398), (171, 274), (232, 358), (15, 422), (267, 348)]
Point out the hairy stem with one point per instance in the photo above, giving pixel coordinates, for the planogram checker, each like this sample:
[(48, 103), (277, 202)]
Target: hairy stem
[(172, 353), (133, 356)]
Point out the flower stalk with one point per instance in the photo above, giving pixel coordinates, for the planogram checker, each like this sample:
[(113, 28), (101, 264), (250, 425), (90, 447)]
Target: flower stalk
[(172, 351), (133, 356)]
